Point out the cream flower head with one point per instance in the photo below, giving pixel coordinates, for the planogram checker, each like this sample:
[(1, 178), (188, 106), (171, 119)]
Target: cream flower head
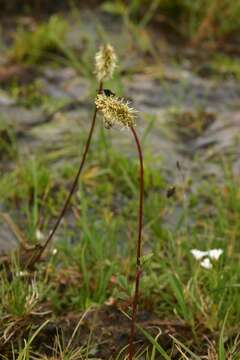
[(105, 62), (115, 111)]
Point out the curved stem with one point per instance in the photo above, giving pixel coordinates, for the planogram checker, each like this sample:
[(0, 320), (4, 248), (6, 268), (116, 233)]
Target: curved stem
[(139, 245), (73, 188)]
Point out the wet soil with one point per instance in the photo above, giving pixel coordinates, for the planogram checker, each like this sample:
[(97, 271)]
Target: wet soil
[(106, 326)]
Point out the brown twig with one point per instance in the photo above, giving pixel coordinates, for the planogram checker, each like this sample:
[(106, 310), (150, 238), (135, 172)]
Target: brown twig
[(139, 245), (73, 188)]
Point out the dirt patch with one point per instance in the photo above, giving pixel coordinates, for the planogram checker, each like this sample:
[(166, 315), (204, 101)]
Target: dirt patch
[(107, 328)]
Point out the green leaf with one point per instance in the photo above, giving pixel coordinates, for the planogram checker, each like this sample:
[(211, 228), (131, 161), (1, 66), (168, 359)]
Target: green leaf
[(221, 348), (194, 356), (113, 8), (177, 288), (146, 259), (154, 342)]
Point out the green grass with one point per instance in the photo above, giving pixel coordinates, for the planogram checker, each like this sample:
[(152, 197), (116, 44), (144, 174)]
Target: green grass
[(227, 66), (92, 260), (196, 20), (8, 146), (33, 46), (173, 284), (200, 20)]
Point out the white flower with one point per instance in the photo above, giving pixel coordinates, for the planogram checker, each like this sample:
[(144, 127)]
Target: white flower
[(55, 251), (22, 273), (198, 254), (39, 235), (206, 256), (206, 263), (215, 254)]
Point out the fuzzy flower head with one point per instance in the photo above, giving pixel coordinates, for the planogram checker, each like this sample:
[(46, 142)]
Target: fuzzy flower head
[(115, 111), (105, 62)]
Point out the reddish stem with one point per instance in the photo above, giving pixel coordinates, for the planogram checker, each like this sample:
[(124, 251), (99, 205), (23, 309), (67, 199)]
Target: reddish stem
[(139, 245), (73, 188)]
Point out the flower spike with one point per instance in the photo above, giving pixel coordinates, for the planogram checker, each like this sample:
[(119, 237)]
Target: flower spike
[(105, 62), (115, 111)]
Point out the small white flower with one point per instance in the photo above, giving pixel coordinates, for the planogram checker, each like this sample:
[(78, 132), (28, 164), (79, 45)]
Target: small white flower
[(215, 254), (22, 273), (198, 254), (206, 263), (39, 235), (54, 252)]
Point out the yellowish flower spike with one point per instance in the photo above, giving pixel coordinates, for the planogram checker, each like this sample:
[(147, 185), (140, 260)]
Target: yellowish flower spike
[(105, 62), (115, 111)]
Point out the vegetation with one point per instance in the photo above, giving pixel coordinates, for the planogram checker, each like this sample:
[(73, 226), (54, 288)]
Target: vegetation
[(36, 45), (197, 21), (201, 20), (206, 301), (76, 302)]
